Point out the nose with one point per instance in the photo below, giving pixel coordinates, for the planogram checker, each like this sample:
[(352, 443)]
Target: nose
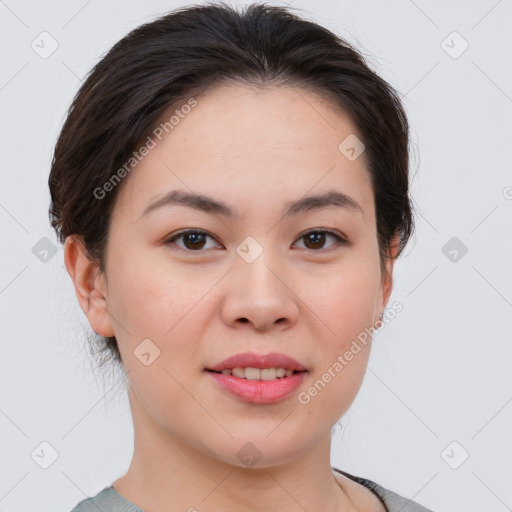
[(260, 294)]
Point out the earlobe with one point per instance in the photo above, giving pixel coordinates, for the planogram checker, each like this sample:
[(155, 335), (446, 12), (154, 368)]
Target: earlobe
[(89, 284)]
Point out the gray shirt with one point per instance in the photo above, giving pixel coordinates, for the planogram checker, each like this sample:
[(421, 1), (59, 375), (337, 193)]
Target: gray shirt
[(109, 500)]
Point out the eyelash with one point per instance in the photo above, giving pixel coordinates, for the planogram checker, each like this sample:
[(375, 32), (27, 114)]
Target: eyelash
[(171, 240)]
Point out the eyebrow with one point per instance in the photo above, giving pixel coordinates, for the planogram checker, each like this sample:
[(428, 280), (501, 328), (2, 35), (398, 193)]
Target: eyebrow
[(329, 199)]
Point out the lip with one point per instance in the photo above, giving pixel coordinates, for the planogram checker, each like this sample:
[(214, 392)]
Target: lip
[(253, 360), (259, 391)]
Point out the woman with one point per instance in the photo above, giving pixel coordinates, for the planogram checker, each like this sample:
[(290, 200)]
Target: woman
[(231, 189)]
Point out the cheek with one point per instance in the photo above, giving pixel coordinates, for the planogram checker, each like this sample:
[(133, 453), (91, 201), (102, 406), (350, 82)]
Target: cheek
[(164, 305), (142, 298), (345, 307), (344, 302)]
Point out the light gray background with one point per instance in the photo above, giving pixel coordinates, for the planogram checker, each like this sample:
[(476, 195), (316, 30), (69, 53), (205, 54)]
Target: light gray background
[(440, 372)]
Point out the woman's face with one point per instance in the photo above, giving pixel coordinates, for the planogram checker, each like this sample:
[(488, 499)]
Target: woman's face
[(251, 281)]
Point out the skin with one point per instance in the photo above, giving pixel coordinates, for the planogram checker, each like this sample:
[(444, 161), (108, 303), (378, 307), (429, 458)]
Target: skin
[(255, 150)]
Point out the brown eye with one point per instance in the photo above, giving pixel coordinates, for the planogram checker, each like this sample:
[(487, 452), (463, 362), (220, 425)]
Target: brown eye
[(315, 240), (196, 240), (193, 240)]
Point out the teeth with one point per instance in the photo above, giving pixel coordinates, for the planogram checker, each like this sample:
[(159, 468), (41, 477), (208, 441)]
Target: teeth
[(238, 372), (268, 373), (257, 374)]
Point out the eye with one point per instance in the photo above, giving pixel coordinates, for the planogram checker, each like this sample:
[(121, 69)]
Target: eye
[(316, 239), (193, 240)]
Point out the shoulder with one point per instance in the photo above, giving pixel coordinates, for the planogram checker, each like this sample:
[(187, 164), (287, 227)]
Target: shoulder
[(392, 501), (107, 500)]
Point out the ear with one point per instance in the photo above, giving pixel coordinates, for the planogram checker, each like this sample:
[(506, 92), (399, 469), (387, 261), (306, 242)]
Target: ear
[(90, 285), (387, 280)]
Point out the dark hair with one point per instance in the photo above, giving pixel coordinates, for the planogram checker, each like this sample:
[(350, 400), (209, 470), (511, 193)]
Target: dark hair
[(160, 64)]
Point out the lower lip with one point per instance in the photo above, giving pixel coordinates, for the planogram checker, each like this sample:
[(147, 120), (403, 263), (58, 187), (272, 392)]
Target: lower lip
[(259, 391)]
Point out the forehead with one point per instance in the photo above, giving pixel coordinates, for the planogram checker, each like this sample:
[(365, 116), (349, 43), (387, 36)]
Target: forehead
[(262, 120), (272, 142)]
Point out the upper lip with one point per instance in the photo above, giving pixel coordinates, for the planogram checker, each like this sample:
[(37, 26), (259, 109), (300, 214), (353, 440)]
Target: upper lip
[(253, 360)]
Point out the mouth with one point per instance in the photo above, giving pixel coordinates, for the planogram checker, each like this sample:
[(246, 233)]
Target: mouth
[(262, 374), (259, 378)]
